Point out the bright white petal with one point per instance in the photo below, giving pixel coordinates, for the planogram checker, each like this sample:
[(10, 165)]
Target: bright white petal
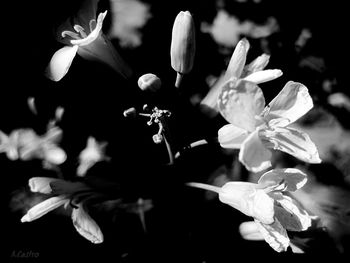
[(263, 208), (41, 184), (275, 235), (291, 103), (54, 155), (290, 179), (43, 208), (61, 62), (264, 76), (232, 137), (238, 59), (290, 214), (239, 102), (253, 154), (86, 226), (291, 141), (250, 231)]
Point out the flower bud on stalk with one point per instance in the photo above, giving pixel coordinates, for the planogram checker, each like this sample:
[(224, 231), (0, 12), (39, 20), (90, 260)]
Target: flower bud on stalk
[(149, 82), (183, 45)]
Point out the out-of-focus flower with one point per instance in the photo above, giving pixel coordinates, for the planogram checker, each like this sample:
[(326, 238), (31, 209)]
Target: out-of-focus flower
[(339, 100), (93, 153), (149, 82), (255, 129), (25, 144), (65, 192), (183, 45), (84, 36), (128, 17), (273, 211), (253, 72)]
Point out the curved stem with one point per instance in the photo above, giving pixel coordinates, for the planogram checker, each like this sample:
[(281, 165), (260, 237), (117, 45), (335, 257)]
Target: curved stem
[(170, 153)]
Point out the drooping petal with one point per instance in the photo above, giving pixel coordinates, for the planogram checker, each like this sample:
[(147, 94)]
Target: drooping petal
[(250, 231), (86, 226), (239, 102), (291, 141), (264, 76), (291, 103), (238, 59), (290, 214), (275, 235), (232, 137), (253, 154), (256, 65), (41, 184), (43, 208), (289, 179), (102, 50), (60, 63)]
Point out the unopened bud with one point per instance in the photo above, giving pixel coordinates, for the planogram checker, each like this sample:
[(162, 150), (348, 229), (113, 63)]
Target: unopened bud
[(130, 112), (149, 82), (183, 44)]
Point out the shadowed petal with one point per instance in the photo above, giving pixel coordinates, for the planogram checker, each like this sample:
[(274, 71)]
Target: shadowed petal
[(250, 231), (239, 102), (275, 235), (256, 65), (41, 184), (291, 141), (289, 179), (43, 208), (291, 103), (231, 136), (86, 226), (60, 63), (253, 154)]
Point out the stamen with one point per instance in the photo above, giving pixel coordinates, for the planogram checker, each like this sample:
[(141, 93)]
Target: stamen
[(80, 30), (70, 34)]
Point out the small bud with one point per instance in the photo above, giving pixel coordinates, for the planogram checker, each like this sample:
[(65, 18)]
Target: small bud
[(149, 82), (157, 138), (183, 45), (130, 112)]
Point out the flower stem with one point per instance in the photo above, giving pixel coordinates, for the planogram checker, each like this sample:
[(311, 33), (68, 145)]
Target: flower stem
[(170, 153), (178, 79)]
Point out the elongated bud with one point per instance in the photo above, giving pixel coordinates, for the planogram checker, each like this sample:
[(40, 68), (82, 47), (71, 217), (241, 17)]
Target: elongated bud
[(183, 45), (149, 82)]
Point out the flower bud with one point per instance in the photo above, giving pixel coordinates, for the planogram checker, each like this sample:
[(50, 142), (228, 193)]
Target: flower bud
[(149, 82), (183, 44)]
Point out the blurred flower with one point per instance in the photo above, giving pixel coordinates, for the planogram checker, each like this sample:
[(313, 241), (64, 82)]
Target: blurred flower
[(84, 36), (339, 100), (149, 82), (253, 72), (93, 153), (183, 45), (273, 211), (25, 144), (65, 192), (255, 129), (128, 17)]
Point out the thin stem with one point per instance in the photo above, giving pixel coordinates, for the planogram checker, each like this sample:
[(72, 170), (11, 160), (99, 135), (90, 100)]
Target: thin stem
[(205, 187), (178, 80), (170, 153)]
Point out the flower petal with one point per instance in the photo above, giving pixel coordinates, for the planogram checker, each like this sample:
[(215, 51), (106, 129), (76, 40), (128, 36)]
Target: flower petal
[(41, 184), (86, 226), (264, 76), (67, 188), (275, 235), (102, 50), (263, 208), (43, 208), (256, 65), (291, 179), (239, 102), (253, 154), (290, 214), (291, 141), (231, 136), (238, 59), (87, 12), (250, 231), (60, 63), (291, 103), (54, 154)]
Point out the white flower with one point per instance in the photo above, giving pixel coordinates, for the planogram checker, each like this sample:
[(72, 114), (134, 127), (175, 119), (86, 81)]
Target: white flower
[(272, 210), (93, 153), (253, 72), (65, 191), (88, 41), (255, 129)]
